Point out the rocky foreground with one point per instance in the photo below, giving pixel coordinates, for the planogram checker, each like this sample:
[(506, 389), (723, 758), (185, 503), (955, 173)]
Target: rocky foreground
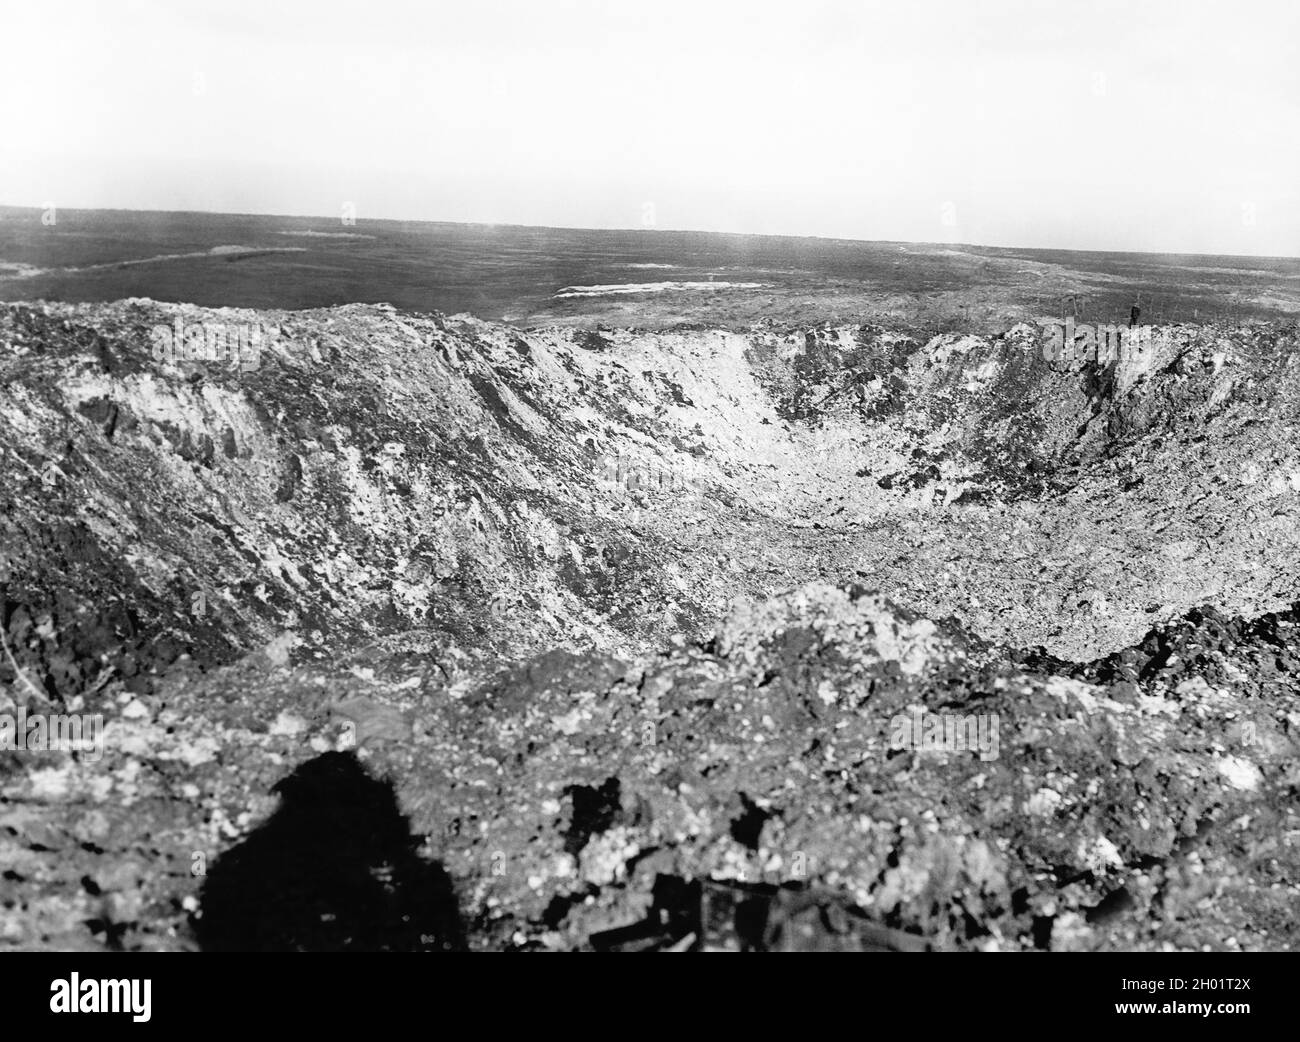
[(423, 632)]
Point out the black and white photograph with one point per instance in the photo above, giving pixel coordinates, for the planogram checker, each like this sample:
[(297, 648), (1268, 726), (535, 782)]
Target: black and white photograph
[(596, 476)]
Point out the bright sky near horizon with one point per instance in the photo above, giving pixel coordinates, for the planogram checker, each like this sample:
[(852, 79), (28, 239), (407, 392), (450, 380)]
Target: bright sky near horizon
[(1156, 125)]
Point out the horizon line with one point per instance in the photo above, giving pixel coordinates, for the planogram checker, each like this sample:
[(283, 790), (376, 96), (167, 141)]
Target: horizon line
[(652, 231)]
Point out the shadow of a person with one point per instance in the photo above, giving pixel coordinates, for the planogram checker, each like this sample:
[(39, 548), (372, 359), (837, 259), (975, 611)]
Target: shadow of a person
[(334, 868)]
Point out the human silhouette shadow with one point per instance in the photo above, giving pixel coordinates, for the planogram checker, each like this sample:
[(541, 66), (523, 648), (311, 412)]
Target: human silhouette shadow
[(333, 869)]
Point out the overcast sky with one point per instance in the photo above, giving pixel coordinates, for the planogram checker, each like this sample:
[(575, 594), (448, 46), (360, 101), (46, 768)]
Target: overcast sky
[(1165, 125)]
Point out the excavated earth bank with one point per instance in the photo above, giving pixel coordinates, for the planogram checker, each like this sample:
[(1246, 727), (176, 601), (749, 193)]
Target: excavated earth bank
[(429, 632)]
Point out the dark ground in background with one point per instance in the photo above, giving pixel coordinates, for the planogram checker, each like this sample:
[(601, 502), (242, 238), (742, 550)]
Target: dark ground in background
[(512, 272)]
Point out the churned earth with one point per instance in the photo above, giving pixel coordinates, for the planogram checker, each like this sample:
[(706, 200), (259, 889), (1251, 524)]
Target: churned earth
[(429, 632)]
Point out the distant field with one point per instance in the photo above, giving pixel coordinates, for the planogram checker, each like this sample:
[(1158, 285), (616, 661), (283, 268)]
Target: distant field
[(613, 277)]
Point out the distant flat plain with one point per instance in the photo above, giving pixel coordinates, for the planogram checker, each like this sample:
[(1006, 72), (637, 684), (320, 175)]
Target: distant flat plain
[(640, 278)]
